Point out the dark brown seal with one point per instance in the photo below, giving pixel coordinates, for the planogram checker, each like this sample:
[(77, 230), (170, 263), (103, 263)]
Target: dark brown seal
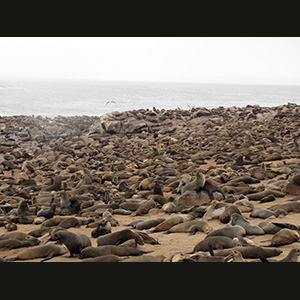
[(47, 251), (119, 237), (251, 251), (217, 243), (230, 232), (9, 244), (74, 242), (110, 249)]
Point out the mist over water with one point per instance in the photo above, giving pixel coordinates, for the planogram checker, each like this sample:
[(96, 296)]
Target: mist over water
[(50, 98)]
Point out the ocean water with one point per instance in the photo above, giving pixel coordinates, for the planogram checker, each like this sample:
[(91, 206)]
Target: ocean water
[(50, 98)]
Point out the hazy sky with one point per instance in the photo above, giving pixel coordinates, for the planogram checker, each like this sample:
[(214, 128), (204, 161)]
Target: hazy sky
[(196, 59)]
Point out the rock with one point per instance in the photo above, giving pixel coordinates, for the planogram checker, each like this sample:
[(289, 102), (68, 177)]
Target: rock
[(190, 198)]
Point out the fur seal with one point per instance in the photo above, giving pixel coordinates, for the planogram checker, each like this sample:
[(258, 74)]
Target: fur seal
[(288, 207), (144, 208), (9, 244), (192, 227), (18, 235), (147, 238), (53, 221), (169, 207), (167, 224), (260, 195), (229, 210), (237, 219), (264, 213), (39, 232), (74, 242), (234, 256), (48, 213), (24, 214), (291, 257), (104, 227), (195, 185), (119, 237), (70, 222), (148, 223), (161, 200), (284, 237), (230, 232), (217, 243), (105, 258), (269, 228), (47, 251), (10, 226), (145, 258), (55, 186), (110, 249), (251, 251)]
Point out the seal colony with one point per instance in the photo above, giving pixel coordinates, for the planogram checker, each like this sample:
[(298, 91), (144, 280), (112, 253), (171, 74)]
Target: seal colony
[(198, 185)]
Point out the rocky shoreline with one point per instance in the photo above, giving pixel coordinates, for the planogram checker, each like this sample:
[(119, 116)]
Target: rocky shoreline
[(133, 165)]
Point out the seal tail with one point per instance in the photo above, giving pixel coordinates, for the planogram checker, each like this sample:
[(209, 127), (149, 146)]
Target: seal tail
[(47, 258), (144, 252), (166, 232), (263, 259)]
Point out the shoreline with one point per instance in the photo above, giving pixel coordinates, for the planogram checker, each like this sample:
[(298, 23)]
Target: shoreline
[(149, 109), (126, 152)]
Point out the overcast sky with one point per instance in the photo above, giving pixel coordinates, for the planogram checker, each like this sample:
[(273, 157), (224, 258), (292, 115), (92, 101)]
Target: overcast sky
[(198, 59)]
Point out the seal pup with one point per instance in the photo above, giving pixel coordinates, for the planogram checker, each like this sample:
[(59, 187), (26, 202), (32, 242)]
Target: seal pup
[(74, 242), (48, 213), (119, 237), (47, 251)]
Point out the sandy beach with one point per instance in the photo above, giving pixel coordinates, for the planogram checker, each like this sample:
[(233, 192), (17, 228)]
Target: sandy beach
[(117, 159)]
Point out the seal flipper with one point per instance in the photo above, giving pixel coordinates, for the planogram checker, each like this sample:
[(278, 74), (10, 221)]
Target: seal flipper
[(144, 252), (11, 258), (47, 257), (193, 231), (4, 249), (263, 259), (210, 248)]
